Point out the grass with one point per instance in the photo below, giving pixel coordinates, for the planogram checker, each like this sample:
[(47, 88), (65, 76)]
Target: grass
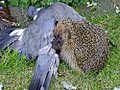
[(16, 71)]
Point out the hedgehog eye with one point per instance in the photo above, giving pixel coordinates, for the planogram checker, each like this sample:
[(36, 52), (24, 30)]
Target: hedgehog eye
[(56, 22)]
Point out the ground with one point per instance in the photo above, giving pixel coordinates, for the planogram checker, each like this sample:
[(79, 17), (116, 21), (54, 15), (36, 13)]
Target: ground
[(16, 71)]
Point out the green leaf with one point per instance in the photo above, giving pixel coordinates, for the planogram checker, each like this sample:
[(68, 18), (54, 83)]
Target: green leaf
[(24, 3), (14, 3), (66, 1), (84, 2), (48, 2)]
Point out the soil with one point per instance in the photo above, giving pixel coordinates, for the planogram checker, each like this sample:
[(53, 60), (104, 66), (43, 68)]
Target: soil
[(20, 15)]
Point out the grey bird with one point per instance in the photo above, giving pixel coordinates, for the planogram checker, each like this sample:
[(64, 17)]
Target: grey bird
[(35, 41)]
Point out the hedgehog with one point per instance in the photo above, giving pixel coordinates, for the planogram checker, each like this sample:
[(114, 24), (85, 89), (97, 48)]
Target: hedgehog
[(81, 44)]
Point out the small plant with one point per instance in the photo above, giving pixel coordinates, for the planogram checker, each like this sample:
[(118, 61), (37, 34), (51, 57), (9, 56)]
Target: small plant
[(40, 3), (3, 3)]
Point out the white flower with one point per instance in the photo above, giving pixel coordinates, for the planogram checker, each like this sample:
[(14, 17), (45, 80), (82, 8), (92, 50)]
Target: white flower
[(1, 86), (69, 86), (91, 4), (94, 4), (117, 9), (2, 2)]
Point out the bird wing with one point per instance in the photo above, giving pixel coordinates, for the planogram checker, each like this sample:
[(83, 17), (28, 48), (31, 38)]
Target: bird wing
[(46, 66)]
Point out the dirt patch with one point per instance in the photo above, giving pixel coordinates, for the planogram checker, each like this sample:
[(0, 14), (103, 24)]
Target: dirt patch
[(20, 15)]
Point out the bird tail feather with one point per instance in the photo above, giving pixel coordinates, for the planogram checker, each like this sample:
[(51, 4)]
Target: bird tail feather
[(9, 36), (5, 38)]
